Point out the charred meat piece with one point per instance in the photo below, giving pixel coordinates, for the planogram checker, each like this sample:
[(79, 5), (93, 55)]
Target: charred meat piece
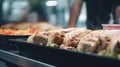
[(117, 47), (99, 40), (39, 38), (88, 46), (104, 42), (114, 48), (57, 37), (73, 38)]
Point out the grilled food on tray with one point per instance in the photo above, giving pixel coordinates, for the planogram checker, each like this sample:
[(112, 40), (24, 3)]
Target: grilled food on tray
[(47, 37), (101, 42), (39, 38), (73, 38), (26, 28), (44, 26), (57, 38), (100, 39), (12, 32)]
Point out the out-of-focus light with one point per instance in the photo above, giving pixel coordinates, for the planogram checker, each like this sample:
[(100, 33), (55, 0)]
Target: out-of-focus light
[(51, 3)]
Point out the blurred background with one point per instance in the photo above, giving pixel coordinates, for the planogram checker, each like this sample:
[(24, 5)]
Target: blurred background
[(55, 12)]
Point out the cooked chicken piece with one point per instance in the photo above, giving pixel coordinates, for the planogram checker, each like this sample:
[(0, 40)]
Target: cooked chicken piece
[(96, 41), (114, 47), (39, 38), (73, 38), (58, 36)]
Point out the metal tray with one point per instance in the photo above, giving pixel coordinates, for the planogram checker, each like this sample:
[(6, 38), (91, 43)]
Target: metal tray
[(20, 61), (13, 36), (62, 58), (4, 38)]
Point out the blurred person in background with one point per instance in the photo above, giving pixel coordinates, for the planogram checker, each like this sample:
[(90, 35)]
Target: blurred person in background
[(15, 11), (1, 12), (37, 6), (98, 12)]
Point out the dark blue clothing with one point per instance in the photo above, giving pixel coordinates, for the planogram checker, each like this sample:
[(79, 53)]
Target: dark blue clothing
[(98, 12)]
